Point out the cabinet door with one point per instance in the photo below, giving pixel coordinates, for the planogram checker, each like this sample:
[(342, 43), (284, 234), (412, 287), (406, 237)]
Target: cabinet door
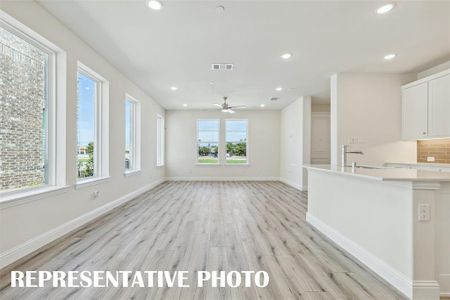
[(414, 109), (439, 107)]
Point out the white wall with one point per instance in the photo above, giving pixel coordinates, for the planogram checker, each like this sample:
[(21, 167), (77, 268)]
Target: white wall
[(366, 113), (28, 221), (263, 139), (320, 107), (295, 142)]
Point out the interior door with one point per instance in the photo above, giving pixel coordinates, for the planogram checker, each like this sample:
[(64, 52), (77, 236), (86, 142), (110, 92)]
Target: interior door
[(320, 137)]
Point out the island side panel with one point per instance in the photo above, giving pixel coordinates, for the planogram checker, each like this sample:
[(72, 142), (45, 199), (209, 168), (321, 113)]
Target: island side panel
[(371, 219)]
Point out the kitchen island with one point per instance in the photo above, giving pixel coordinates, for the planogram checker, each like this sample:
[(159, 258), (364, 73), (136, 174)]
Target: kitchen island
[(395, 221)]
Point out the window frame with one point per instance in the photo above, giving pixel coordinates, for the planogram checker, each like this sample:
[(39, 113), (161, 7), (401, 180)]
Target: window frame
[(101, 127), (160, 140), (135, 132), (246, 146), (55, 119), (218, 143)]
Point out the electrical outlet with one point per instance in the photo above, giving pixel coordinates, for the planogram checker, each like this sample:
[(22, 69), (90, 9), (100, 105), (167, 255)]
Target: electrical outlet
[(424, 212), (431, 158), (95, 194)]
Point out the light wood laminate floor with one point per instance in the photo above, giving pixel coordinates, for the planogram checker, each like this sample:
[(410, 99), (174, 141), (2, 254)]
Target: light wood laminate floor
[(208, 226)]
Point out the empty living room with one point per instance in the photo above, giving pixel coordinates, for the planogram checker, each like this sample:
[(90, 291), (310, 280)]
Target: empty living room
[(207, 149)]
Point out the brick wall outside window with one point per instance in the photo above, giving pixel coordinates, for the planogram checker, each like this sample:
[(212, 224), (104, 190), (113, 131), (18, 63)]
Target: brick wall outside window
[(22, 116)]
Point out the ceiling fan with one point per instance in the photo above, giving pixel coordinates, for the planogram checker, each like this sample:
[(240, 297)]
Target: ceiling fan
[(227, 108)]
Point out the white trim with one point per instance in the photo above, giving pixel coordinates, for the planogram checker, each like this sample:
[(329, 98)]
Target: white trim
[(135, 132), (219, 142), (29, 195), (131, 173), (160, 140), (222, 178), (82, 183), (9, 256), (385, 271), (207, 164), (247, 152), (425, 185), (425, 290), (55, 104), (444, 284), (101, 127), (426, 79)]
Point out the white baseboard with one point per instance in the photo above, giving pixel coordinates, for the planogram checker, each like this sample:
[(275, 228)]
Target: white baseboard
[(391, 275), (22, 250), (222, 178), (294, 185), (444, 283), (426, 290)]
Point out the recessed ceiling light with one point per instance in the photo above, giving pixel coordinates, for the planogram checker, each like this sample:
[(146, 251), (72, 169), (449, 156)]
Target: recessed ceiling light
[(390, 56), (286, 56), (173, 88), (185, 105), (385, 8), (154, 4), (278, 89), (262, 105)]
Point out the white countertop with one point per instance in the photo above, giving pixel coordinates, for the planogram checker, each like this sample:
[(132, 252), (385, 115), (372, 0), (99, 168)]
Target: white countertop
[(430, 165), (385, 173)]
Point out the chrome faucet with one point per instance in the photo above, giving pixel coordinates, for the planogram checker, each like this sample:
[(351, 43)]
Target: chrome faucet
[(344, 152)]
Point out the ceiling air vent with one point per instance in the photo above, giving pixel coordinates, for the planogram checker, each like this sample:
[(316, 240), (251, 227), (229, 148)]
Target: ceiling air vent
[(274, 99), (222, 67)]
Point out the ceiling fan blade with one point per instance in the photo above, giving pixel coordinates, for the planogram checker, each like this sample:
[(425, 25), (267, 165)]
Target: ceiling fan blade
[(218, 105), (231, 111), (238, 106)]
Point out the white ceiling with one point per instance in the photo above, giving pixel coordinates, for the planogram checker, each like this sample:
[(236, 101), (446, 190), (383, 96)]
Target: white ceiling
[(176, 45)]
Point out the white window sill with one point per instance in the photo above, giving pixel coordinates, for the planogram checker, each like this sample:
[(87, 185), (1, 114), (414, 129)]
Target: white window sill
[(90, 182), (160, 165), (22, 197), (226, 165), (131, 173)]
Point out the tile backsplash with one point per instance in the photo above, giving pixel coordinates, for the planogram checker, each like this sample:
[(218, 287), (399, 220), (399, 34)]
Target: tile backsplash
[(439, 149)]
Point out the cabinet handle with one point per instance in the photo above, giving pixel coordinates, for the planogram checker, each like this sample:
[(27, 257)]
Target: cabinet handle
[(424, 133)]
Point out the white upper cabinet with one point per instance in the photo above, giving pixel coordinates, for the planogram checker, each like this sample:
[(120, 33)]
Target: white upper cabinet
[(414, 106), (439, 107), (426, 107)]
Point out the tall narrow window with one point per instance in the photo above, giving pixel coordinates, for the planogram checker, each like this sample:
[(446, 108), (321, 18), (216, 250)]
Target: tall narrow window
[(25, 86), (87, 102), (208, 141), (236, 141), (132, 134), (91, 124), (160, 140)]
